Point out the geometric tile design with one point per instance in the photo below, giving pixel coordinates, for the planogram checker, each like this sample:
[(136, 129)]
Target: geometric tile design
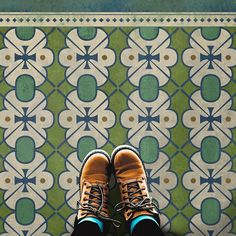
[(207, 16), (167, 91)]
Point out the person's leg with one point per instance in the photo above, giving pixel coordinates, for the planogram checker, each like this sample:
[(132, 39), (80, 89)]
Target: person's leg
[(92, 216), (139, 211)]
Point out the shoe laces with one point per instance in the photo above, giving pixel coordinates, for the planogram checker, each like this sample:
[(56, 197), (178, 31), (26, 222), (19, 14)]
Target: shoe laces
[(136, 199), (95, 202)]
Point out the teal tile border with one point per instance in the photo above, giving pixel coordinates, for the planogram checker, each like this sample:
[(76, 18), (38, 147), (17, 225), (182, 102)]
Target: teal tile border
[(117, 5)]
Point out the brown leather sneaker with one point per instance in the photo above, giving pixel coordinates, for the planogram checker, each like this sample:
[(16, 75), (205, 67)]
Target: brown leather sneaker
[(94, 189), (131, 177)]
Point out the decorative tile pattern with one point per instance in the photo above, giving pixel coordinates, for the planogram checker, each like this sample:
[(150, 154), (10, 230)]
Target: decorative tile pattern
[(167, 91), (170, 18), (25, 57)]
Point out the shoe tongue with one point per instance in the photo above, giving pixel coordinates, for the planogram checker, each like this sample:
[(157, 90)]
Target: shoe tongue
[(97, 196), (134, 187)]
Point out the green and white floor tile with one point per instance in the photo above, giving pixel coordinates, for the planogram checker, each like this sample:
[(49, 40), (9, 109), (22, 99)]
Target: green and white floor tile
[(168, 90)]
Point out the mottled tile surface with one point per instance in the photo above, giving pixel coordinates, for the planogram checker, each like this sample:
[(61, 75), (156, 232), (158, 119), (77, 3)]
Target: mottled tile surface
[(167, 91)]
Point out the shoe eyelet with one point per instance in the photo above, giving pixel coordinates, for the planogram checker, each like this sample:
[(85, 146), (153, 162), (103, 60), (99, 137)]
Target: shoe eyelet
[(84, 199)]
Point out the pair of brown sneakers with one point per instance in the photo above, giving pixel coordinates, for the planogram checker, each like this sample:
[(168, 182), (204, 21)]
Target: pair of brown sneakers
[(130, 174)]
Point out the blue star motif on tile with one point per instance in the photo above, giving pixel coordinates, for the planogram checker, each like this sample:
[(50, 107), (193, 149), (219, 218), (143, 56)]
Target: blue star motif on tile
[(210, 118), (210, 180), (25, 57), (149, 57), (25, 180), (87, 57), (210, 57), (149, 118), (25, 119), (86, 118)]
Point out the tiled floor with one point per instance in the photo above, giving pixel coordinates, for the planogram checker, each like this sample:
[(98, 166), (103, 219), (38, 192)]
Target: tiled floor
[(168, 91)]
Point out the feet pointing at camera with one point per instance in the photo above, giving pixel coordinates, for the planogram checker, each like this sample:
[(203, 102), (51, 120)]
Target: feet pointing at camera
[(139, 211)]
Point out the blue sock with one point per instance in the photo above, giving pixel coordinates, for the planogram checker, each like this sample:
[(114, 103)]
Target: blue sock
[(135, 221), (93, 220)]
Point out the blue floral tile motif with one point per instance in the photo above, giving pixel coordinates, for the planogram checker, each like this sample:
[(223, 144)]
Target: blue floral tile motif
[(87, 56), (25, 57), (148, 118), (25, 118), (209, 180), (30, 180), (210, 57), (87, 119), (166, 90), (149, 56), (210, 118)]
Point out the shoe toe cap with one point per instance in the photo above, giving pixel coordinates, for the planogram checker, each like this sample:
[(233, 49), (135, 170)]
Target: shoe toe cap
[(96, 168), (128, 165)]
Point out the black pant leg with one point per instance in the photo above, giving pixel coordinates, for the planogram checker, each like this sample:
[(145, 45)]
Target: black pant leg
[(147, 228), (87, 229)]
